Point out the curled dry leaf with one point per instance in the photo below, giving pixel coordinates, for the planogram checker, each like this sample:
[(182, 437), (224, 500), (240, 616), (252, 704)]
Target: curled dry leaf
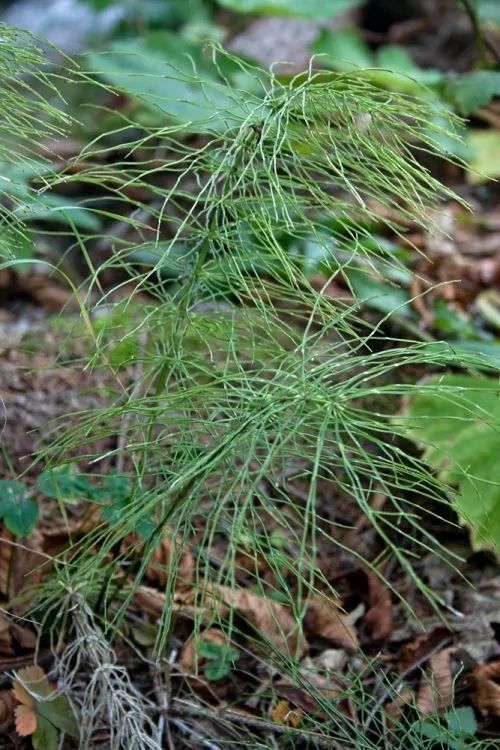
[(25, 720), (325, 618), (271, 619), (7, 706), (395, 708), (169, 553), (13, 635), (379, 615), (487, 687), (41, 703), (436, 689), (283, 713), (21, 564)]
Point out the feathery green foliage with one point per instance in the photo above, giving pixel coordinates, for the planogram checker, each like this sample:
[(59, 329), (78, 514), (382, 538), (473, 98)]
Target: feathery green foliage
[(254, 394), (29, 121)]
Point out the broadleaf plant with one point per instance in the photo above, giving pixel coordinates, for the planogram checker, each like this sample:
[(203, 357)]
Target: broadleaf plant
[(18, 510), (456, 422)]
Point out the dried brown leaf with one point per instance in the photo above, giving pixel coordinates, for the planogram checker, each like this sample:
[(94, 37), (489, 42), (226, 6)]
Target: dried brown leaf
[(168, 553), (270, 618), (25, 720), (395, 708), (283, 713), (325, 618), (379, 615), (487, 687), (7, 706), (21, 564), (436, 689)]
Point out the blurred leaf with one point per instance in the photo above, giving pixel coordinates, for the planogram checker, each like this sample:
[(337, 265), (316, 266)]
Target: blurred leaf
[(45, 736), (63, 483), (459, 431), (198, 103), (171, 261), (220, 659), (316, 9), (120, 510), (53, 207), (462, 721), (16, 242), (345, 47), (488, 304), (473, 90), (18, 511), (379, 295), (489, 10), (485, 158), (395, 57), (488, 350), (450, 321)]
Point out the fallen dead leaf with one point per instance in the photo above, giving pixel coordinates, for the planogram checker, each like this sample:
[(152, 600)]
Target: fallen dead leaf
[(421, 647), (271, 619), (168, 554), (379, 615), (486, 679), (39, 701), (395, 708), (27, 680), (13, 635), (283, 713), (325, 618), (436, 689), (7, 706), (331, 660), (21, 565), (25, 720)]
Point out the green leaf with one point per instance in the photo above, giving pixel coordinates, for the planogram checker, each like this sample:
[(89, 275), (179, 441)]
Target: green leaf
[(45, 736), (345, 48), (396, 58), (489, 10), (58, 712), (18, 510), (200, 104), (16, 242), (316, 9), (488, 351), (63, 483), (457, 423), (378, 294), (53, 207), (474, 90), (220, 658), (171, 261), (119, 511), (462, 721), (217, 670)]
